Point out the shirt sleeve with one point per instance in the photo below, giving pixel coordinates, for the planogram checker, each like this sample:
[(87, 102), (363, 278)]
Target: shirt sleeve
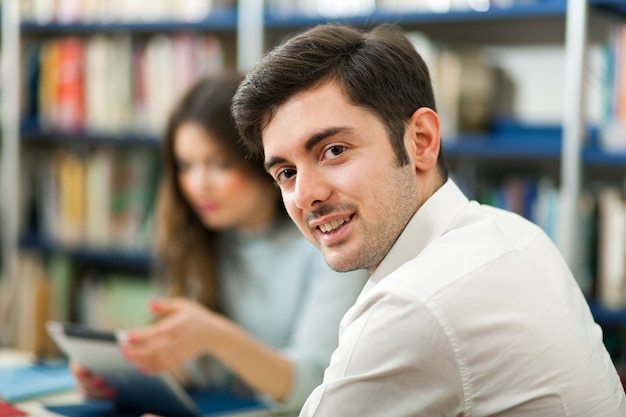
[(394, 359), (329, 295)]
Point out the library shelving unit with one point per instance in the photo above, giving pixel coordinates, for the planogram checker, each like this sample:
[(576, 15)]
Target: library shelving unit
[(569, 146), (220, 22), (29, 136)]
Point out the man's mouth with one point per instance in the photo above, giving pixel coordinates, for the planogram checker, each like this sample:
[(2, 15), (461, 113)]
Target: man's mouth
[(332, 225)]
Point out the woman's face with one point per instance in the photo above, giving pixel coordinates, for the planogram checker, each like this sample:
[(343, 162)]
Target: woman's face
[(215, 186)]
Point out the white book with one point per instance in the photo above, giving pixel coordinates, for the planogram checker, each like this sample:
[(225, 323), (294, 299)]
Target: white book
[(119, 84), (158, 77), (96, 104), (44, 11), (447, 91), (69, 11), (183, 63), (611, 248), (191, 10)]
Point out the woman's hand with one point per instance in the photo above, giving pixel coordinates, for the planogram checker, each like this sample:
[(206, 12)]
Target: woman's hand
[(91, 386), (181, 334)]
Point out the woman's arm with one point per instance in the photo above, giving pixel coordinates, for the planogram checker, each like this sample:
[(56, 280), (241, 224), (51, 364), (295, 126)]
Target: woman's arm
[(287, 311), (187, 330)]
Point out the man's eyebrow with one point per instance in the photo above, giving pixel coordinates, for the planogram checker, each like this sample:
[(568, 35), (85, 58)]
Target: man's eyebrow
[(321, 135), (273, 161), (308, 145)]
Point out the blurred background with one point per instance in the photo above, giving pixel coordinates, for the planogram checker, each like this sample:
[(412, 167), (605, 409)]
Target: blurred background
[(531, 93)]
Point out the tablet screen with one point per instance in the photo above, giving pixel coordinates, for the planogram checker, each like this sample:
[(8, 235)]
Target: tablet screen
[(99, 352)]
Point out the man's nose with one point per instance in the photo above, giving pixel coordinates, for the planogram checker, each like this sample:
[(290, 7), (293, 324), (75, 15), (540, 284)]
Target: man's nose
[(311, 189)]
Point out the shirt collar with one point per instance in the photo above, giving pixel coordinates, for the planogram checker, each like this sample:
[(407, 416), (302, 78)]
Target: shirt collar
[(429, 222)]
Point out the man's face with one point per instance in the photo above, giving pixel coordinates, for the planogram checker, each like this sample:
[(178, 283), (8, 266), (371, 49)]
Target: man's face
[(339, 177)]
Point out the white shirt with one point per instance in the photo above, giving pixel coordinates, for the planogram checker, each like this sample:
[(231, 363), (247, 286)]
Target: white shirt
[(473, 312)]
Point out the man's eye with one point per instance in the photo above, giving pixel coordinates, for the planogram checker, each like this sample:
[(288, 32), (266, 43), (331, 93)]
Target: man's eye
[(334, 151), (285, 174)]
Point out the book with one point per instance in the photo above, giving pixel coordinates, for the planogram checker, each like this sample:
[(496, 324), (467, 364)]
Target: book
[(24, 382), (31, 305), (48, 76), (9, 410), (70, 85), (133, 189), (98, 219), (97, 101), (72, 201), (611, 283), (113, 83)]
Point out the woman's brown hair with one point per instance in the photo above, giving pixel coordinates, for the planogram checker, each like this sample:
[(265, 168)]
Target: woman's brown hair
[(185, 247)]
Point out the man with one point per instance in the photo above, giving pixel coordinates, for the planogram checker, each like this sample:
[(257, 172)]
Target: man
[(470, 310)]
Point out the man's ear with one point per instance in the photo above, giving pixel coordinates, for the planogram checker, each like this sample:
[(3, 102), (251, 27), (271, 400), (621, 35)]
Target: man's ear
[(423, 138)]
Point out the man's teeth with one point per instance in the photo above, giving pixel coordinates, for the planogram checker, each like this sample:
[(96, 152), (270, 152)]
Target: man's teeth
[(327, 227)]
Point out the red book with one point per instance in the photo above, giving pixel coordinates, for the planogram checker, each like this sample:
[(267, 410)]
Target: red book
[(9, 410), (70, 84)]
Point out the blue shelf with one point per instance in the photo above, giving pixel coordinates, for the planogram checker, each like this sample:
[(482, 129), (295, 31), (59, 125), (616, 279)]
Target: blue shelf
[(607, 317), (109, 259), (539, 9), (513, 141), (508, 140), (613, 6), (220, 20), (30, 132), (596, 156), (486, 147), (225, 20)]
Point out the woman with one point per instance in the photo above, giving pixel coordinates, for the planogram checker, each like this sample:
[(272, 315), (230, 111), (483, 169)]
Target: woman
[(254, 306)]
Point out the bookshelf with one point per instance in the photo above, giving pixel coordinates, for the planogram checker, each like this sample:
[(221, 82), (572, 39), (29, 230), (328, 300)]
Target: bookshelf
[(32, 133), (136, 262), (86, 276), (563, 149), (42, 135)]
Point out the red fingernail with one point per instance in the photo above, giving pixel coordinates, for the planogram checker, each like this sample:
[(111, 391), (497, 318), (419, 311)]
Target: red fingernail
[(99, 382)]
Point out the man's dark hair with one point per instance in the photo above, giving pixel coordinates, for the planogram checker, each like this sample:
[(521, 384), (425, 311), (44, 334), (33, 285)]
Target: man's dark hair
[(378, 70)]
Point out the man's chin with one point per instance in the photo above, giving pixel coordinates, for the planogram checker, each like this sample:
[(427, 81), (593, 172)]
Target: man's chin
[(338, 262)]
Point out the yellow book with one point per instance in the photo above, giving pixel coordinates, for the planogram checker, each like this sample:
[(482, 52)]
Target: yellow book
[(48, 80), (72, 178)]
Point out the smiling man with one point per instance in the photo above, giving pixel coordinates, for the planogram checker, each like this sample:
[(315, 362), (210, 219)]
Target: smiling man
[(334, 140), (470, 310)]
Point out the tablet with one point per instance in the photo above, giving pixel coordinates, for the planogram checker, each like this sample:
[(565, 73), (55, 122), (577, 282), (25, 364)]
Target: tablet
[(99, 351)]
